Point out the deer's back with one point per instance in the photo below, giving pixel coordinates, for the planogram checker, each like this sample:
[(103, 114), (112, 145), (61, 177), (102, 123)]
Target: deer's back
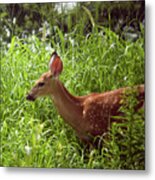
[(99, 109)]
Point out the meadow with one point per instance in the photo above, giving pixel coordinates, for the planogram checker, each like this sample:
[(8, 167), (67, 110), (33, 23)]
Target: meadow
[(34, 135)]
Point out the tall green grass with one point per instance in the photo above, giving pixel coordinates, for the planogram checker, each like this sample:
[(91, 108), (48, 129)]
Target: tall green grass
[(34, 135)]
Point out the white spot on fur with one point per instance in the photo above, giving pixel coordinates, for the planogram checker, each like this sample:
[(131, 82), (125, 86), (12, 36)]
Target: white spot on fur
[(92, 127), (96, 126), (84, 112), (115, 100)]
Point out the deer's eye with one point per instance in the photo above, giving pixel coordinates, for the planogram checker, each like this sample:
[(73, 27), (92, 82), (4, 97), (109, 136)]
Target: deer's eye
[(41, 84)]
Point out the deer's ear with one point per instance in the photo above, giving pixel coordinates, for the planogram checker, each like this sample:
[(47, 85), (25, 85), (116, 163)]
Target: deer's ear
[(55, 65)]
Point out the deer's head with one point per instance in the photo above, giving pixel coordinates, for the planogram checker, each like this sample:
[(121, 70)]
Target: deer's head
[(43, 85)]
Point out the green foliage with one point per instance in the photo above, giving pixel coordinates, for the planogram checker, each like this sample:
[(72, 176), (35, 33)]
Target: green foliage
[(41, 18), (34, 135), (127, 139)]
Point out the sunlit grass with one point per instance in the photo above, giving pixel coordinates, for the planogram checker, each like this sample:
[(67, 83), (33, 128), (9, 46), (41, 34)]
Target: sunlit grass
[(34, 135)]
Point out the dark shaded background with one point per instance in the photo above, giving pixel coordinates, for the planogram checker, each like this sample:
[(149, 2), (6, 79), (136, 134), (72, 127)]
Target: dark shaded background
[(41, 19)]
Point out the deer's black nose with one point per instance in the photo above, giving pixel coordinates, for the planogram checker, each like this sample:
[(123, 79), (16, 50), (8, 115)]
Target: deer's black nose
[(30, 97)]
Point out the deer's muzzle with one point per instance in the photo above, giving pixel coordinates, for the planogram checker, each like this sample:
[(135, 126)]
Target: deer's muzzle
[(30, 97)]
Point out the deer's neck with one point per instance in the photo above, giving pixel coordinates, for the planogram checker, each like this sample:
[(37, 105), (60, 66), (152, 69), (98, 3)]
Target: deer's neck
[(69, 106)]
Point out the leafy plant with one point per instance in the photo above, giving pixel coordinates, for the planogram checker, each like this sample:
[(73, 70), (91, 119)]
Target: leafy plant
[(34, 135)]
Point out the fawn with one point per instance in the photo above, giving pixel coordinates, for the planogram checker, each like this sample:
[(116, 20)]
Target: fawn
[(89, 115)]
